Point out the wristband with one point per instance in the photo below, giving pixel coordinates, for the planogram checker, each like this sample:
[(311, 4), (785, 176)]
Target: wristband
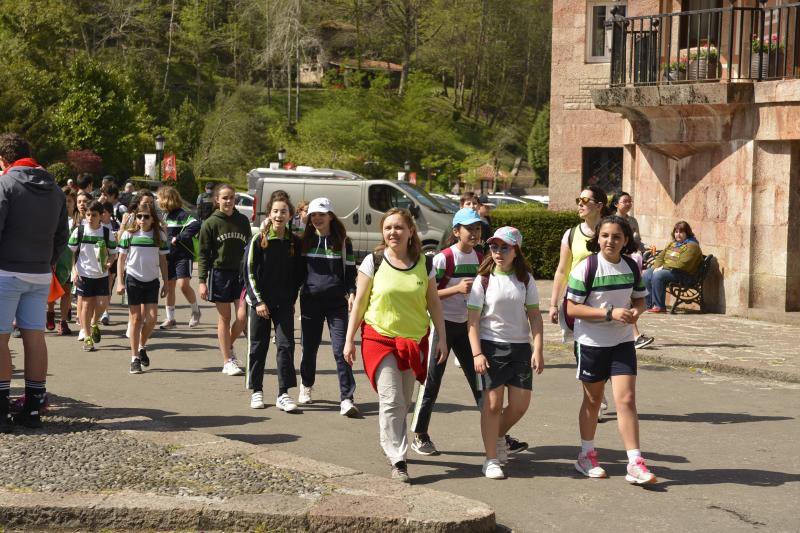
[(477, 354)]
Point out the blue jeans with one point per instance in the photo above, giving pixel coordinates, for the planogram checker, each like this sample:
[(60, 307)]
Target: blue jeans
[(656, 284)]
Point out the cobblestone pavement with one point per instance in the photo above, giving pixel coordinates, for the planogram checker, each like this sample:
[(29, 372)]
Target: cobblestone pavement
[(77, 455)]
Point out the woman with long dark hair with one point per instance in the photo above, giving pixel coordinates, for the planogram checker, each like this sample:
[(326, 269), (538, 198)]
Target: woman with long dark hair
[(327, 296)]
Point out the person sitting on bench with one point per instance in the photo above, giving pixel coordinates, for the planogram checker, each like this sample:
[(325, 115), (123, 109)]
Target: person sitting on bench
[(677, 263)]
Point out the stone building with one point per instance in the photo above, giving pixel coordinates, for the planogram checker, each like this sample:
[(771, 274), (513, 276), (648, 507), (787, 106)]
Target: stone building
[(695, 105)]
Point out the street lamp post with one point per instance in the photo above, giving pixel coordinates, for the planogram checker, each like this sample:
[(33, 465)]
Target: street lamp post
[(281, 157), (160, 141), (406, 169)]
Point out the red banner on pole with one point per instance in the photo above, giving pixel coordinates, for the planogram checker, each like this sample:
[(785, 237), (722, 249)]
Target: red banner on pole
[(169, 168)]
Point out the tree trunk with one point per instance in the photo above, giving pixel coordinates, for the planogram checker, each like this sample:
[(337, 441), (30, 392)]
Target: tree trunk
[(169, 48)]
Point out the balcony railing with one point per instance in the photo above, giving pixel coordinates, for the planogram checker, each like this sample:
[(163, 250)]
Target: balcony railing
[(723, 44)]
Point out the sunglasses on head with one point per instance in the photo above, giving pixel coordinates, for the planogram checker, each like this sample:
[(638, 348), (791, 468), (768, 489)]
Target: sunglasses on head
[(582, 200), (497, 248), (142, 216)]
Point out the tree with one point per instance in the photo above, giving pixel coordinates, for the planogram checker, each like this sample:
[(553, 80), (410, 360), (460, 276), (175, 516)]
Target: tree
[(99, 110), (539, 145)]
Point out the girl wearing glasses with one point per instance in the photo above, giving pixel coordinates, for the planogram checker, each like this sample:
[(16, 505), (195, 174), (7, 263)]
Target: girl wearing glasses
[(592, 206), (503, 311), (143, 256)]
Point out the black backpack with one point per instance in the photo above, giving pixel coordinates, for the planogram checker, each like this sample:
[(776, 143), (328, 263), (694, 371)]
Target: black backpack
[(205, 206)]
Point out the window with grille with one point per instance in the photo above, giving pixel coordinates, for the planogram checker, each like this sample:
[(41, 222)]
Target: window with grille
[(603, 167)]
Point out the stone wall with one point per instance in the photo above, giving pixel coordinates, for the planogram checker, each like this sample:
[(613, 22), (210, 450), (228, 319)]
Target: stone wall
[(574, 121), (740, 194)]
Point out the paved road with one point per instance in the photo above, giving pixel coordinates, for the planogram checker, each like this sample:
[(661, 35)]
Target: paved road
[(725, 448)]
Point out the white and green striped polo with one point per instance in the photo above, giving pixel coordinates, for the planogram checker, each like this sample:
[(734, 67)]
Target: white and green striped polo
[(142, 254)]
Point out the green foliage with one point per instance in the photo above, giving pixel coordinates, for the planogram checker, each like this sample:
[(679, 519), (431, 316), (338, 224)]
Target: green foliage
[(542, 231), (60, 171), (186, 182), (233, 139), (98, 110), (539, 145)]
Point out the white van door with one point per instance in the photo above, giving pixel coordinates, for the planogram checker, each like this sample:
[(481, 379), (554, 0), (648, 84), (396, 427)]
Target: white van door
[(346, 199), (379, 198)]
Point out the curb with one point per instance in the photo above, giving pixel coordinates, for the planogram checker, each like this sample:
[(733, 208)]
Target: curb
[(357, 502), (720, 366)]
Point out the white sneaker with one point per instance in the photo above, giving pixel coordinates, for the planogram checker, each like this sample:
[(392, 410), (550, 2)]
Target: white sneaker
[(305, 395), (603, 408), (285, 403), (502, 450), (348, 408), (257, 400), (231, 368), (195, 320), (81, 335), (493, 470)]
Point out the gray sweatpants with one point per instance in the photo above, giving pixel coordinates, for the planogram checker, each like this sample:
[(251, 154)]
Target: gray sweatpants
[(395, 393)]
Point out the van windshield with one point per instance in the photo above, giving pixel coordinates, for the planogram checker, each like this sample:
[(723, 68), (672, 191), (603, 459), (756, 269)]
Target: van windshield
[(422, 197)]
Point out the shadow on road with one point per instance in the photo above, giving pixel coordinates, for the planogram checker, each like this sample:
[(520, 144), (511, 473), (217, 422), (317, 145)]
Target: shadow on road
[(713, 418), (275, 438), (717, 476)]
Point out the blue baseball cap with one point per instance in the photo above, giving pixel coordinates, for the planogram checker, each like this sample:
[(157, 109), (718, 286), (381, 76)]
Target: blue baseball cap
[(465, 216)]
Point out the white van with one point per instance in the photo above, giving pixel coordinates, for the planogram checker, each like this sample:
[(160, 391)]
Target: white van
[(359, 202)]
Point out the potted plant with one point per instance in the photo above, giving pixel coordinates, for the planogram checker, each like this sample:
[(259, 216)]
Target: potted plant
[(767, 55), (674, 70), (703, 62)]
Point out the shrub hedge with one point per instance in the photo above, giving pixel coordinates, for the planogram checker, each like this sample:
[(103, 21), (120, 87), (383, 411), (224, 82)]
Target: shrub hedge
[(541, 234)]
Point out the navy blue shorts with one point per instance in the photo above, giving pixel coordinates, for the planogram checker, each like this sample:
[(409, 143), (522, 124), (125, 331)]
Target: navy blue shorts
[(179, 268), (598, 363), (141, 292), (224, 286), (91, 287)]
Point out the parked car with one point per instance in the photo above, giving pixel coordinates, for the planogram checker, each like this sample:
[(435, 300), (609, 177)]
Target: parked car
[(359, 202), (541, 198), (501, 200), (244, 204), (447, 203)]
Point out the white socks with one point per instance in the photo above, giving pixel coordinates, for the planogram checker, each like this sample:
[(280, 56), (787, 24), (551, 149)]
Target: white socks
[(632, 455), (170, 312), (587, 446), (195, 307)]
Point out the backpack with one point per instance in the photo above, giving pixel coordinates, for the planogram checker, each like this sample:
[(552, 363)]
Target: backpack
[(377, 259), (450, 266), (195, 250), (205, 206), (588, 281), (106, 238)]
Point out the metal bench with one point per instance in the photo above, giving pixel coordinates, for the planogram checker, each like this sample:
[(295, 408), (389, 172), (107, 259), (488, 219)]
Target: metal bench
[(691, 294)]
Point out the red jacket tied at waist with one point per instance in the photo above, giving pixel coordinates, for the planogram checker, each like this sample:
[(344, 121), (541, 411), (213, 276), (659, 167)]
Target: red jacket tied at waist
[(409, 353)]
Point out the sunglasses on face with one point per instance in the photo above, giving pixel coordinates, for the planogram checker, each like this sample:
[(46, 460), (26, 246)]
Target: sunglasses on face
[(142, 216), (497, 249), (582, 200)]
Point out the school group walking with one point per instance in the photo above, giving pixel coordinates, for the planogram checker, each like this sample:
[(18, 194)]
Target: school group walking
[(477, 298)]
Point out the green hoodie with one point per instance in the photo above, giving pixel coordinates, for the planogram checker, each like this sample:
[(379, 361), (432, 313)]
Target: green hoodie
[(222, 242)]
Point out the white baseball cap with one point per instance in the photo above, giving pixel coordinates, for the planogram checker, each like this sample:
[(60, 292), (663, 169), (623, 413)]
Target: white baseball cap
[(320, 205)]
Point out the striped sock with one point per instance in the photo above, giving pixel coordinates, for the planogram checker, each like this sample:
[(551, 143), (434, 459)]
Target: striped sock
[(34, 392), (5, 390)]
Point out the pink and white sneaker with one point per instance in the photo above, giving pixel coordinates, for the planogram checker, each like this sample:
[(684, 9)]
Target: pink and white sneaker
[(588, 465), (639, 474)]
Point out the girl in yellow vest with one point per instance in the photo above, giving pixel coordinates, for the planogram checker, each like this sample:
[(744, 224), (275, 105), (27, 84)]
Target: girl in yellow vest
[(395, 293)]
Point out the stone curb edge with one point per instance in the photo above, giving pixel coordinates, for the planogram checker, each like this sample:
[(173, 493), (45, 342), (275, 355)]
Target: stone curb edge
[(720, 366), (358, 501)]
